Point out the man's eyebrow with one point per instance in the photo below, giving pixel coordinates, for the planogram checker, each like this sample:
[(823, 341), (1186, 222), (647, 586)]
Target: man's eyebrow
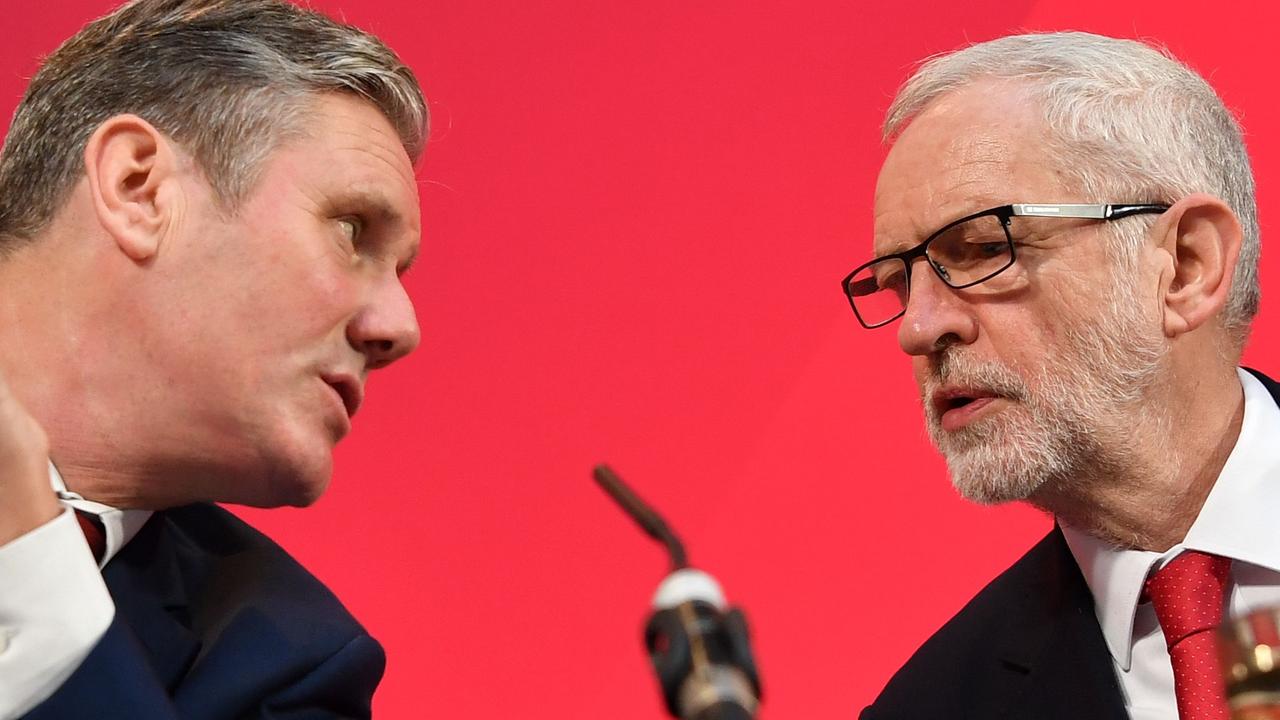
[(372, 201), (897, 248), (900, 247)]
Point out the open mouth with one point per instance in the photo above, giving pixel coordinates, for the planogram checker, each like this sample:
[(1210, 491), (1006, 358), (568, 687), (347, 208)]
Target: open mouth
[(349, 391), (957, 407), (948, 400)]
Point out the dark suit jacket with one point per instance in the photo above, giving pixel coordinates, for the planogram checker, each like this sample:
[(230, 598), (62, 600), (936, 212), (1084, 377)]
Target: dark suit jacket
[(1027, 646), (213, 621)]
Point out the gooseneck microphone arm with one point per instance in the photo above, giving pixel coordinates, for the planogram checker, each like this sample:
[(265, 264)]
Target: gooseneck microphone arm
[(698, 645), (646, 517)]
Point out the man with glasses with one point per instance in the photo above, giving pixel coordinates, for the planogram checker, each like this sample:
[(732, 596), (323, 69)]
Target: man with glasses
[(1066, 245)]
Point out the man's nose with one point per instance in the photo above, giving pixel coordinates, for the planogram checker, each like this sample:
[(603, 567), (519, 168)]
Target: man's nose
[(387, 328), (935, 316)]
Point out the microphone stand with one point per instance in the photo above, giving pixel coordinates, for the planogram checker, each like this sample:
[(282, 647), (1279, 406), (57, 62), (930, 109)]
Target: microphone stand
[(698, 645)]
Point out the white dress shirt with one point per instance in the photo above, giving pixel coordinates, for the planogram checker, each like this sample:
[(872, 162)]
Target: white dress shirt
[(54, 605), (1240, 520)]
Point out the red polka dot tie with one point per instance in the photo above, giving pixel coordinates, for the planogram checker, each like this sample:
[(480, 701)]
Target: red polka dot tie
[(1189, 594)]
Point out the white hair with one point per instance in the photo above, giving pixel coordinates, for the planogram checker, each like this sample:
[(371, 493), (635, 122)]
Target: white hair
[(1128, 123)]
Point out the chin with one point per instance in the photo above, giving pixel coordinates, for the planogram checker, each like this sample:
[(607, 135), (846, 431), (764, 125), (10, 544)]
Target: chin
[(301, 484), (293, 470), (282, 488), (275, 456), (1007, 467), (306, 493)]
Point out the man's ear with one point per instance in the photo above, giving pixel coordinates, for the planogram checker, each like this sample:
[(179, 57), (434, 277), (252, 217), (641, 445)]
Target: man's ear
[(1201, 237), (131, 169)]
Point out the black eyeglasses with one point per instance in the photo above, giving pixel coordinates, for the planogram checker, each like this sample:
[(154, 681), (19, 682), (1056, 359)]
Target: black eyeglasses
[(963, 253)]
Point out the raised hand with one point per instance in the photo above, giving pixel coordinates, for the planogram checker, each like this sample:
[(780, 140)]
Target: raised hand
[(26, 499)]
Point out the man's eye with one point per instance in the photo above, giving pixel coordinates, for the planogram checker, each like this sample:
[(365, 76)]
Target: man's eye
[(991, 249), (350, 227)]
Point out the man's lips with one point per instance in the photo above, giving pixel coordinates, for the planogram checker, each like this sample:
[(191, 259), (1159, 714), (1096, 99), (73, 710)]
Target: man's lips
[(348, 388), (956, 407)]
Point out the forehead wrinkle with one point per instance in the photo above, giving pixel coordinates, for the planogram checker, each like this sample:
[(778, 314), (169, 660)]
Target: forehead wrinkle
[(957, 158), (352, 124), (944, 200), (394, 159)]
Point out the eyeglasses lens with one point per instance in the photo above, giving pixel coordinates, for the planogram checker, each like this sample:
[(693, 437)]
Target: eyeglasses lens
[(962, 255), (970, 252), (879, 291)]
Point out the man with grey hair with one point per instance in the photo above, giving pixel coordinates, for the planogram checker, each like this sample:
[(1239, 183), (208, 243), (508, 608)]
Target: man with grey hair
[(206, 207), (1082, 211)]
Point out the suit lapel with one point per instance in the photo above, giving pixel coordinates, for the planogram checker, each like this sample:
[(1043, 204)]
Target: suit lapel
[(1052, 651), (149, 591)]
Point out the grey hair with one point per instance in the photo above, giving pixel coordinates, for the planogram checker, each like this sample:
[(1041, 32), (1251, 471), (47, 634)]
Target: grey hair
[(229, 80), (1127, 123)]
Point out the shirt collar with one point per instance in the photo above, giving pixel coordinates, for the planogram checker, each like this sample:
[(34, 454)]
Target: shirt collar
[(118, 526), (1229, 524)]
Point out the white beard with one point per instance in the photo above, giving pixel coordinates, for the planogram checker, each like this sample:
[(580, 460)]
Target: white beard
[(1075, 418)]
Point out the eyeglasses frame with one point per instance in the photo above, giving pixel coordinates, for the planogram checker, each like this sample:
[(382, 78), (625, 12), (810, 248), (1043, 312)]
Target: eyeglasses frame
[(1097, 211)]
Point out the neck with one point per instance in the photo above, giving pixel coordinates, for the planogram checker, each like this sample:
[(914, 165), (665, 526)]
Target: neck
[(57, 356), (1145, 493)]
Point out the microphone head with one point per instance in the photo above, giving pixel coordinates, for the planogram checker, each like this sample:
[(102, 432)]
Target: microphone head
[(687, 585)]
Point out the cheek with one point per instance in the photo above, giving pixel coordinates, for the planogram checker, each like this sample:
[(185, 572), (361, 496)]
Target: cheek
[(1034, 330), (1027, 345), (325, 294), (311, 310), (309, 285)]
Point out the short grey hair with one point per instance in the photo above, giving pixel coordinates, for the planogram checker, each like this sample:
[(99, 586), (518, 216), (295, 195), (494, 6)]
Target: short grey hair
[(1127, 122), (229, 80)]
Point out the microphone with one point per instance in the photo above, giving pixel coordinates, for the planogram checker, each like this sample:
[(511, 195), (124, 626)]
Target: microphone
[(697, 643)]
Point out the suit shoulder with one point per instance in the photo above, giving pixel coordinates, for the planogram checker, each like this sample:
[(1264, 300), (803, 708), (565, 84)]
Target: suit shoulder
[(227, 616), (233, 568)]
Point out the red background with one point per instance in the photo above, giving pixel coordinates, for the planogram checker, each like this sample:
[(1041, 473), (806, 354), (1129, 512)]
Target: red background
[(636, 216)]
